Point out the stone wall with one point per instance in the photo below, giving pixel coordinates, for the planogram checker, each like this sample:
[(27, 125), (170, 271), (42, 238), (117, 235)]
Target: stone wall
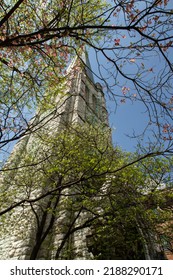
[(22, 228)]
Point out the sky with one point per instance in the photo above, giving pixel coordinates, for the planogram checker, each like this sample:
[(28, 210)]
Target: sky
[(124, 118), (129, 117), (125, 121)]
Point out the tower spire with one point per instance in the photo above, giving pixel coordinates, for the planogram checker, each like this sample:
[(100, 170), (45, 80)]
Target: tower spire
[(80, 101), (88, 68)]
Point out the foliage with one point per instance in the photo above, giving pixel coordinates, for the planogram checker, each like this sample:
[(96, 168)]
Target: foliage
[(135, 213), (34, 57), (39, 38), (79, 172), (56, 163)]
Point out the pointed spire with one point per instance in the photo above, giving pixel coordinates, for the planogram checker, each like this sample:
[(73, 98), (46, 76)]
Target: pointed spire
[(87, 64), (84, 58)]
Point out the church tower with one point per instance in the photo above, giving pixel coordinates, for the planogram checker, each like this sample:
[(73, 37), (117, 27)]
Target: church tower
[(24, 229)]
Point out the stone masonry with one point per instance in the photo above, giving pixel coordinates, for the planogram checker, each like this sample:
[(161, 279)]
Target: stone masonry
[(82, 101)]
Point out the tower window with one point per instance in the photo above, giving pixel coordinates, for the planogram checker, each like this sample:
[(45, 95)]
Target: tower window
[(94, 102), (87, 95), (96, 105)]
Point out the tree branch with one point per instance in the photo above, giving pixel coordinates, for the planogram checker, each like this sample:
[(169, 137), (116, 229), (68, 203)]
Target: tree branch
[(8, 15)]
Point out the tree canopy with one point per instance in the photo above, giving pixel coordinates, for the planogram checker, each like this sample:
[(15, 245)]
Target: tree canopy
[(97, 187), (132, 42)]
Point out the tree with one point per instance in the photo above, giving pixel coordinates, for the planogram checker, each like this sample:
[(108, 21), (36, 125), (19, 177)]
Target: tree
[(38, 39), (136, 214), (80, 184), (60, 177)]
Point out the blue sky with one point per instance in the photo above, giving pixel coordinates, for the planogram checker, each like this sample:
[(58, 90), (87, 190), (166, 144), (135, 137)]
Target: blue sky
[(128, 119), (131, 116), (124, 118)]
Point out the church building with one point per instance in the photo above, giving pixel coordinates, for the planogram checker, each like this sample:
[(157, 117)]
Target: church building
[(24, 230)]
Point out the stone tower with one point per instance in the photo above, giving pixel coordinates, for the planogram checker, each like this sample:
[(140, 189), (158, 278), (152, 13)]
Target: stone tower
[(80, 100)]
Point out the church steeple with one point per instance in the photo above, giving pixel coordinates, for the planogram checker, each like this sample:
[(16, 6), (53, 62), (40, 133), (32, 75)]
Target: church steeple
[(81, 100), (87, 65), (85, 98)]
